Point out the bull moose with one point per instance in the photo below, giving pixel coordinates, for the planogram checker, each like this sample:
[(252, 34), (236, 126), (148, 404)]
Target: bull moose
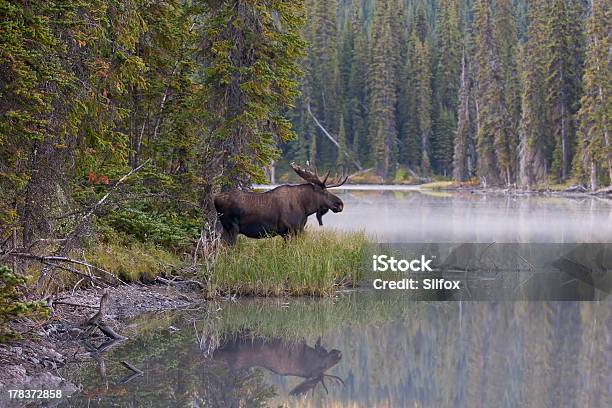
[(282, 211), (283, 357)]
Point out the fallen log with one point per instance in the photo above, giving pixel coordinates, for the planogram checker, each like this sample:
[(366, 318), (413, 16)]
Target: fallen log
[(57, 302), (96, 321), (175, 282), (603, 191), (136, 372)]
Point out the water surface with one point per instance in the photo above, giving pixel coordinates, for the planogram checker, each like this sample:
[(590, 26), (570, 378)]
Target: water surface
[(393, 353), (376, 349), (416, 216)]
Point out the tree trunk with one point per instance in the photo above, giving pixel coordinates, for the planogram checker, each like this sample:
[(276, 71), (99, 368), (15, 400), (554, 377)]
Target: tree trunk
[(593, 175)]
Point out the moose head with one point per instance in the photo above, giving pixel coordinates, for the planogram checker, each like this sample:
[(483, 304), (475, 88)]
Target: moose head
[(283, 357), (324, 361), (324, 199)]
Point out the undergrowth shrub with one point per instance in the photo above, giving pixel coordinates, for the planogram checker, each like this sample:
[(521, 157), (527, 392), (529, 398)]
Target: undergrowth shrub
[(12, 305), (168, 230)]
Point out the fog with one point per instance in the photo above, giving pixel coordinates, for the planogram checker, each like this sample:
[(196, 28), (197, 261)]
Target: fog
[(415, 216)]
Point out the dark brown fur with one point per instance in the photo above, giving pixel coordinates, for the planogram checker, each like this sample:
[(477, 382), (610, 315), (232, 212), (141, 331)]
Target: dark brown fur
[(281, 211)]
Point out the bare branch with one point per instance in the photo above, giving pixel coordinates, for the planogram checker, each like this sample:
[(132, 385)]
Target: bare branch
[(333, 140)]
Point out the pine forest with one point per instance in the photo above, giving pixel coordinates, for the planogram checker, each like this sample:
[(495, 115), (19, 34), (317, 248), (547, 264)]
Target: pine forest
[(191, 98)]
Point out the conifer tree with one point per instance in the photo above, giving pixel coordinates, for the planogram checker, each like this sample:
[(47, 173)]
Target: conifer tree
[(343, 151), (534, 135), (422, 82), (410, 143), (382, 75), (563, 41), (357, 103), (594, 158), (415, 101), (250, 53), (494, 73), (462, 135), (325, 101), (507, 38), (446, 80)]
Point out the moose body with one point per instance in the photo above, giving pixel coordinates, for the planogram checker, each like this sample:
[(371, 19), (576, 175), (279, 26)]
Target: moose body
[(281, 357), (281, 211)]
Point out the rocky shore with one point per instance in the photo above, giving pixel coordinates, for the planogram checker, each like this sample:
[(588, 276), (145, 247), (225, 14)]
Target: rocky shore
[(77, 329)]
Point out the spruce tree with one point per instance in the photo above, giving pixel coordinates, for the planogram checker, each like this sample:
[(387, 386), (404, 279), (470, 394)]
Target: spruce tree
[(487, 92), (422, 82), (594, 159), (495, 75), (382, 89), (563, 42), (325, 101), (357, 102), (250, 53), (446, 80), (343, 159), (462, 134), (533, 133)]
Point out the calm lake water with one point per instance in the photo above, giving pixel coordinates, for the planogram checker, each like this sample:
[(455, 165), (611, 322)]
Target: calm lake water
[(375, 349), (414, 216)]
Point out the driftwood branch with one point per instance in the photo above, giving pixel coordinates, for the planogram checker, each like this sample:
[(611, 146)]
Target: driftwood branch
[(108, 193), (73, 236), (179, 282), (333, 140), (136, 372), (51, 261), (97, 320), (603, 191), (69, 269), (131, 367), (108, 332), (416, 176), (58, 302), (93, 320)]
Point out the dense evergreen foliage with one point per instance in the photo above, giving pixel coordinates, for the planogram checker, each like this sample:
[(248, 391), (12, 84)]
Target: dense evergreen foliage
[(204, 95), (194, 92), (12, 306), (508, 92)]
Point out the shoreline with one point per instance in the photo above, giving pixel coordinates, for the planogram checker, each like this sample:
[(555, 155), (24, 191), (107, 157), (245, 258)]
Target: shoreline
[(512, 192), (65, 338), (34, 362), (570, 192)]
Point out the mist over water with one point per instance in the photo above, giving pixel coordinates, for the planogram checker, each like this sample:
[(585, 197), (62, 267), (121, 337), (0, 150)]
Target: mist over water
[(416, 216), (395, 352)]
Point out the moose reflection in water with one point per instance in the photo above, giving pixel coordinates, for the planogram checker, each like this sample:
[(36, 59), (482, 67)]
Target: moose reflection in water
[(283, 357)]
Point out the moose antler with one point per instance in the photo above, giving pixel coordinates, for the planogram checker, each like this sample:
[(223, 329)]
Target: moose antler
[(342, 178), (313, 177), (311, 383)]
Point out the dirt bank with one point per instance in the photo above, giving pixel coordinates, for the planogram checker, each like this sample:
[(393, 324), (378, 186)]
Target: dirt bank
[(69, 336)]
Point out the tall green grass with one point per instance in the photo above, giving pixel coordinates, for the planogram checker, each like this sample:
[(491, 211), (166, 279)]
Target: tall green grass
[(313, 264)]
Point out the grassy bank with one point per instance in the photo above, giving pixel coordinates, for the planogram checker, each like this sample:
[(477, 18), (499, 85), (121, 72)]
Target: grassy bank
[(313, 264), (134, 261), (437, 185)]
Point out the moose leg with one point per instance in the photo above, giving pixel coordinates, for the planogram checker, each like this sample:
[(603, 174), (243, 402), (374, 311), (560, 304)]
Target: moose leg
[(230, 232), (229, 237), (292, 232)]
